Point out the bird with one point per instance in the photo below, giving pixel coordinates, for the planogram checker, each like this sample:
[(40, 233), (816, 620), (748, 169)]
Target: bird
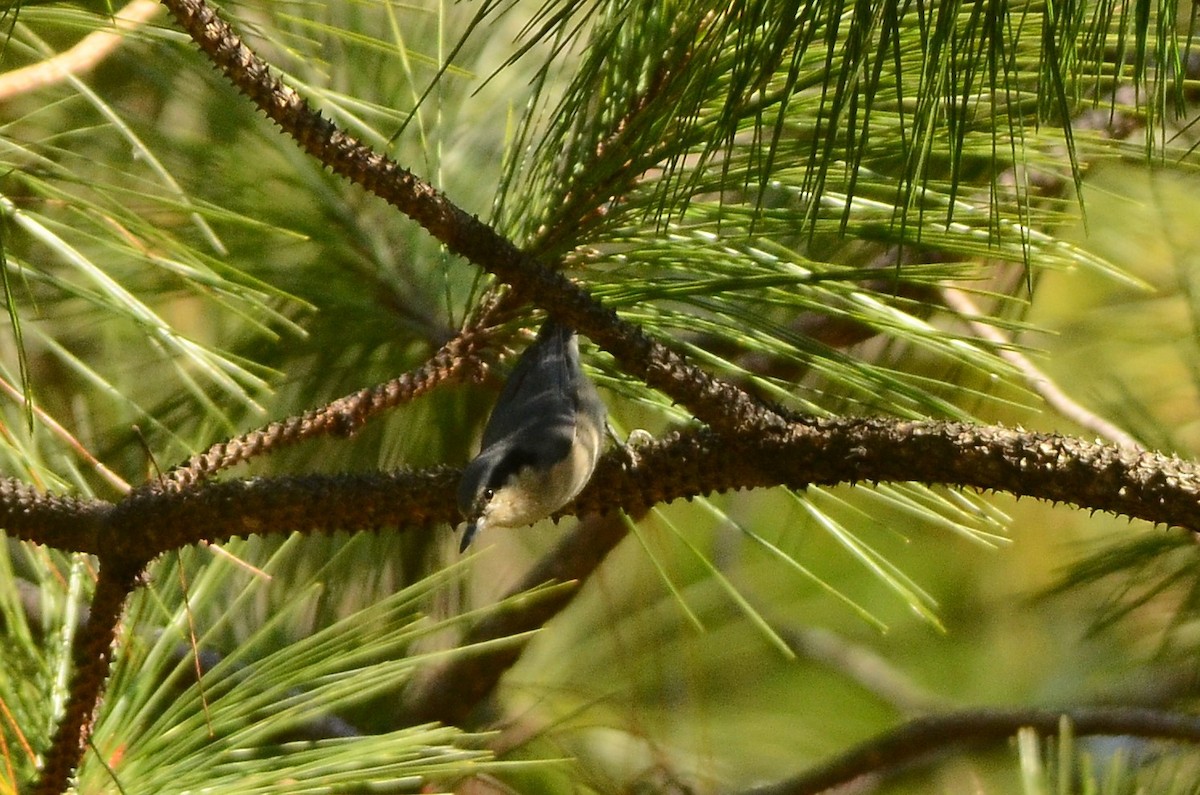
[(541, 442)]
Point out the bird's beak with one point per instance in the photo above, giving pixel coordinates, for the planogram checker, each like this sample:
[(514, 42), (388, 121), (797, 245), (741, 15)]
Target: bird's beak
[(468, 535)]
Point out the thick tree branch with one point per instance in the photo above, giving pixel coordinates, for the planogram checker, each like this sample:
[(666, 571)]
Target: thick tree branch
[(923, 736), (61, 522), (92, 656), (1144, 485), (220, 511), (1138, 484)]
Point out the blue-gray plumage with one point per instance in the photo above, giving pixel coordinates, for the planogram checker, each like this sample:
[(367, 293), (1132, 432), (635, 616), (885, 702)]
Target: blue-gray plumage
[(542, 441)]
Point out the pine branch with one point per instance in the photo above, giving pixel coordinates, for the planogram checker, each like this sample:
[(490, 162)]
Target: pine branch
[(923, 736), (92, 655), (1138, 484), (1062, 469), (828, 452), (59, 522), (453, 362), (713, 401), (126, 535), (750, 446)]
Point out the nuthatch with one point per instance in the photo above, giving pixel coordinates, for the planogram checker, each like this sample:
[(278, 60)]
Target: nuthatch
[(541, 442)]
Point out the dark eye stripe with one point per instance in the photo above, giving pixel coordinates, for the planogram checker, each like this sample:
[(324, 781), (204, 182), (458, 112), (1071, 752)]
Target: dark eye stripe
[(509, 465)]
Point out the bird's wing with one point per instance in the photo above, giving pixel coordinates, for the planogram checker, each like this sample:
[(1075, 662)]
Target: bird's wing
[(541, 390)]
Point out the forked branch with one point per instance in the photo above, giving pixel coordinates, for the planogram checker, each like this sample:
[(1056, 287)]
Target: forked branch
[(713, 401), (749, 445)]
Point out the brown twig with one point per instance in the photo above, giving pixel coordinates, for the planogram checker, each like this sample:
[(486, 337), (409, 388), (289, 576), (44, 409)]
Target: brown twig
[(91, 50), (923, 736), (56, 429), (454, 361), (1038, 381)]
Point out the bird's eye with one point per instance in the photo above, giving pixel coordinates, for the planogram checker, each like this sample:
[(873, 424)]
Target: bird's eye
[(488, 494)]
